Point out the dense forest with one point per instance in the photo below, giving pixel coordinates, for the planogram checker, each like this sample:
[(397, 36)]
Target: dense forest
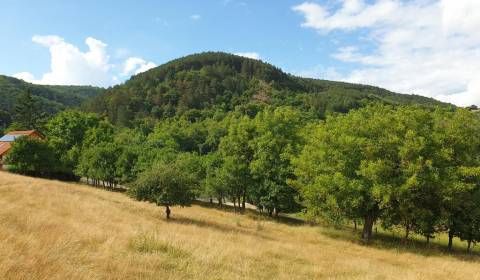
[(225, 128), (49, 99), (203, 84)]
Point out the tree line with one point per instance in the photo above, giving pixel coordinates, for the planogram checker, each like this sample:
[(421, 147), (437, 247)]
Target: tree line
[(405, 166)]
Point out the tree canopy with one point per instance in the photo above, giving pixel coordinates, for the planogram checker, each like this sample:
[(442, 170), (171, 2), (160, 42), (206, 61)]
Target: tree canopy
[(200, 85)]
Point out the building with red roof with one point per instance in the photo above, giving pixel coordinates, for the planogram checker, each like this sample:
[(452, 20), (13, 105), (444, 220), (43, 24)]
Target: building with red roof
[(7, 140)]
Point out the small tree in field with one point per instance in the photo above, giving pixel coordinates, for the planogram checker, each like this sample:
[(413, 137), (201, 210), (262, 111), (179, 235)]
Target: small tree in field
[(164, 185)]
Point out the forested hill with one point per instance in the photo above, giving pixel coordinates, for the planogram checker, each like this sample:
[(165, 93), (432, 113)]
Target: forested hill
[(208, 82), (50, 99)]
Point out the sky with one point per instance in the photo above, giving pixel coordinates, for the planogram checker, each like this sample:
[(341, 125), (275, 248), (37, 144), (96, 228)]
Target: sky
[(425, 47)]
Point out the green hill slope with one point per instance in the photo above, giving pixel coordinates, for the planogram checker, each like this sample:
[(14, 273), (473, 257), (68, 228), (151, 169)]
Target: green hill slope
[(51, 99), (219, 81)]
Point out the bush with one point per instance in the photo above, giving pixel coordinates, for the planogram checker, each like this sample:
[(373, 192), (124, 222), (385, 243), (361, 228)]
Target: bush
[(32, 156)]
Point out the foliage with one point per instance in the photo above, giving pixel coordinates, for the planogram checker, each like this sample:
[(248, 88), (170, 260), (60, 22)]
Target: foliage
[(27, 114), (66, 133), (277, 141), (199, 85), (49, 99), (166, 185), (99, 163), (32, 156), (405, 166)]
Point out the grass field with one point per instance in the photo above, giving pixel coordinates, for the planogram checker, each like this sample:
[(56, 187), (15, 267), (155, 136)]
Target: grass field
[(55, 230)]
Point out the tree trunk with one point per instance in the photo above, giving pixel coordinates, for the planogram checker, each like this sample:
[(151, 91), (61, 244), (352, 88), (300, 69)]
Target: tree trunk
[(211, 201), (355, 224), (450, 240), (367, 228), (167, 212), (428, 239), (244, 198), (469, 245), (407, 231), (220, 201)]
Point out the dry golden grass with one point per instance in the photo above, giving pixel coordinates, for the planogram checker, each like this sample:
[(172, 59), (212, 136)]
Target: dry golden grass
[(55, 230)]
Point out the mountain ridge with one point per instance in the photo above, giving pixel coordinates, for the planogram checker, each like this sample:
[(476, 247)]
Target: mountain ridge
[(208, 81), (50, 98), (213, 81)]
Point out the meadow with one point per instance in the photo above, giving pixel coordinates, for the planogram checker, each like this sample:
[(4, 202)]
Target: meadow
[(56, 230)]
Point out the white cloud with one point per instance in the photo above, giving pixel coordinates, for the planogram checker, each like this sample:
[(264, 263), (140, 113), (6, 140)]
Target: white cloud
[(353, 14), (427, 47), (195, 17), (71, 66), (136, 65), (26, 76), (252, 55), (461, 16)]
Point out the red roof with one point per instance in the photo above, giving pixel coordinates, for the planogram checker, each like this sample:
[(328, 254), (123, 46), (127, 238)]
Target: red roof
[(7, 140), (4, 147), (24, 132)]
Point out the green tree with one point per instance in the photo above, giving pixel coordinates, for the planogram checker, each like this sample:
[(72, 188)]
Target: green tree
[(166, 185), (102, 132), (351, 161), (66, 132), (31, 156), (100, 164), (126, 164), (237, 152), (215, 184), (27, 113), (278, 140), (468, 222), (5, 120), (461, 148), (415, 203)]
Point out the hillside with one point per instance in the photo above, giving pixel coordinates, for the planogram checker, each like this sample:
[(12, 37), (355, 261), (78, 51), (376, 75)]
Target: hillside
[(54, 230), (51, 99), (215, 81)]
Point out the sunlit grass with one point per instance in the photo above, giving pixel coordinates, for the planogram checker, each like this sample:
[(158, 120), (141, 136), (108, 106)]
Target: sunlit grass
[(54, 230)]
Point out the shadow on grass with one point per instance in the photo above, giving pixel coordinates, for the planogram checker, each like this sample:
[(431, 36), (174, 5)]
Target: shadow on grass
[(218, 227), (252, 213), (389, 241)]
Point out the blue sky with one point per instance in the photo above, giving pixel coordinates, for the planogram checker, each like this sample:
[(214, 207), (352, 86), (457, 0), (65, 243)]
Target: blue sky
[(159, 31), (103, 42)]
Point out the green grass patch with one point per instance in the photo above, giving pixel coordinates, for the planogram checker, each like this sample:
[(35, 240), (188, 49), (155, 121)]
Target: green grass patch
[(151, 244)]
